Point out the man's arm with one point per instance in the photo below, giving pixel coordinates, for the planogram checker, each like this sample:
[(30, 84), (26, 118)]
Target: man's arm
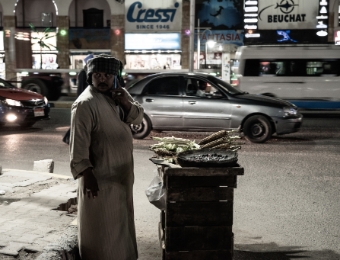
[(133, 111), (80, 138)]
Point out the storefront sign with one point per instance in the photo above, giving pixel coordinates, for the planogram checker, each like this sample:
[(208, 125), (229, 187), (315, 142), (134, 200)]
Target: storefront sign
[(226, 67), (153, 16), (287, 14), (152, 41), (222, 37)]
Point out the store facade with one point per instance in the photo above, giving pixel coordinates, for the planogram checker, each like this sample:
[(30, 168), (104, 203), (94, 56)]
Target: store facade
[(153, 37), (287, 22), (219, 31)]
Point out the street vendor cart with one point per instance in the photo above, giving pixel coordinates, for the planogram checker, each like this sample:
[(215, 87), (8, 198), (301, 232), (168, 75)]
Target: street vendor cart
[(198, 217), (197, 204)]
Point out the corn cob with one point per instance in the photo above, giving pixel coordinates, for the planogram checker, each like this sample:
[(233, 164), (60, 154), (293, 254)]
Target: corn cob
[(163, 152), (215, 142), (213, 137), (222, 146), (235, 148)]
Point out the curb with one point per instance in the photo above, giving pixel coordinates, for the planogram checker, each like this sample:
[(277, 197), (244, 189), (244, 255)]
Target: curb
[(59, 176)]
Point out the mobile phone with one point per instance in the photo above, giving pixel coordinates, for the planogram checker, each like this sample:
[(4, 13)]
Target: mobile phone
[(114, 83)]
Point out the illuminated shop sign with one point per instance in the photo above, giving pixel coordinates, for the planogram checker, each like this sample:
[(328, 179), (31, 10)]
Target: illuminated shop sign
[(152, 41), (221, 36), (285, 15), (153, 16)]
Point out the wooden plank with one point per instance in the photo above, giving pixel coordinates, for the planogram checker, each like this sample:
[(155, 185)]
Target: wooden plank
[(202, 171), (198, 238), (200, 181), (199, 193), (199, 214), (199, 255)]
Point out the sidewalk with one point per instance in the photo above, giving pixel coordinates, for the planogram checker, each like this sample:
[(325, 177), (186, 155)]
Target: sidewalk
[(35, 222)]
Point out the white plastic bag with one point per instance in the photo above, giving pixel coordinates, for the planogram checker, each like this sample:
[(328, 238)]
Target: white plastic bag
[(156, 193)]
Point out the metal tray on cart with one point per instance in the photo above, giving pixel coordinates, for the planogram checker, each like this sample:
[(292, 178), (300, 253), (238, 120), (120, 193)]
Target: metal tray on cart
[(207, 158)]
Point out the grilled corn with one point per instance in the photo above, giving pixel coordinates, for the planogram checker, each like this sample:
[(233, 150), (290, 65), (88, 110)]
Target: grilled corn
[(213, 137), (213, 143)]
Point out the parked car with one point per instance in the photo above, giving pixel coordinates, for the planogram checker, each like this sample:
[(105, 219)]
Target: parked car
[(170, 103), (21, 106)]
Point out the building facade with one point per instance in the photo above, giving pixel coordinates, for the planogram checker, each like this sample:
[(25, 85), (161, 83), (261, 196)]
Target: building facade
[(146, 35)]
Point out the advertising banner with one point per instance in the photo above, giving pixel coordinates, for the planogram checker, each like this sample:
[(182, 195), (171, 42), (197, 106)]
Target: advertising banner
[(153, 16), (152, 41), (153, 61), (287, 14), (226, 67), (89, 38), (219, 15)]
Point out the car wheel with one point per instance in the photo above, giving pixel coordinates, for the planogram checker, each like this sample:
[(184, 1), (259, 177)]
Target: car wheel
[(257, 129), (27, 124), (142, 130), (35, 85)]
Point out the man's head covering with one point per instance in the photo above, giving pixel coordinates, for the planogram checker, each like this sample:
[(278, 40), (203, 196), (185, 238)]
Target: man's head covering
[(88, 57), (104, 63), (107, 64)]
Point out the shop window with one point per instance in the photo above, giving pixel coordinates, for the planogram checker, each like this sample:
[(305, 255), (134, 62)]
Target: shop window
[(93, 18)]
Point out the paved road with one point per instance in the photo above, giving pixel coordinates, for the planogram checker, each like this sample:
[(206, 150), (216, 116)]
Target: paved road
[(286, 205)]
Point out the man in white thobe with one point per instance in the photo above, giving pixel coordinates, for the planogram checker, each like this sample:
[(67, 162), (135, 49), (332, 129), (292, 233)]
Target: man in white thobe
[(101, 152)]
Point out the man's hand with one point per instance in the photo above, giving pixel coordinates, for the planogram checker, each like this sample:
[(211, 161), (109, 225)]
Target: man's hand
[(121, 97), (90, 184)]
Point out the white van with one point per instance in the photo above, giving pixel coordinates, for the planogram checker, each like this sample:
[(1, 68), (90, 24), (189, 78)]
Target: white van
[(308, 76)]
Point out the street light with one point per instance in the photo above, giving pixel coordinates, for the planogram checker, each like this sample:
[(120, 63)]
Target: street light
[(211, 44)]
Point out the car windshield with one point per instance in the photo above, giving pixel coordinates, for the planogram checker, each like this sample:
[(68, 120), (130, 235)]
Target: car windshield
[(225, 86), (4, 84)]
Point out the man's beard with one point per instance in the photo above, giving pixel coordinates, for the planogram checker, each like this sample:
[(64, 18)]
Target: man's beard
[(106, 92)]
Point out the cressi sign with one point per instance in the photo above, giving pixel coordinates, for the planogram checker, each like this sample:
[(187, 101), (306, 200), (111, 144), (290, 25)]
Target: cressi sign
[(153, 16)]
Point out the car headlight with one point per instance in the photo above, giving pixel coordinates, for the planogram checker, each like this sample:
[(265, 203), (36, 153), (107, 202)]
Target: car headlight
[(45, 100), (289, 112), (12, 102)]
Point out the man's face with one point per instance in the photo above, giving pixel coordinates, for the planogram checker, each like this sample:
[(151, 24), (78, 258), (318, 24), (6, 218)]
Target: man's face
[(102, 81)]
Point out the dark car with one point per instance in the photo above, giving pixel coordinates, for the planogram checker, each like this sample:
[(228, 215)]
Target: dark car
[(46, 84), (21, 106), (171, 102)]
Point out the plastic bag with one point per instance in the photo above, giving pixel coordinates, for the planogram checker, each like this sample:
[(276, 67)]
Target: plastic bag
[(66, 138), (156, 193)]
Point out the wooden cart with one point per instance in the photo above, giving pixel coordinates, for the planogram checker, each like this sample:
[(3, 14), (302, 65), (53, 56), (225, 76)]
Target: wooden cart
[(197, 221)]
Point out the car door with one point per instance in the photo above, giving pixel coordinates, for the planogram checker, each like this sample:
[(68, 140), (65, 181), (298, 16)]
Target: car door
[(162, 102), (209, 112)]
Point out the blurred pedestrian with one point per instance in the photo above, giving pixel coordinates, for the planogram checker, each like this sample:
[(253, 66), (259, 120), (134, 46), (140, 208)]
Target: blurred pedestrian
[(82, 76), (101, 153)]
